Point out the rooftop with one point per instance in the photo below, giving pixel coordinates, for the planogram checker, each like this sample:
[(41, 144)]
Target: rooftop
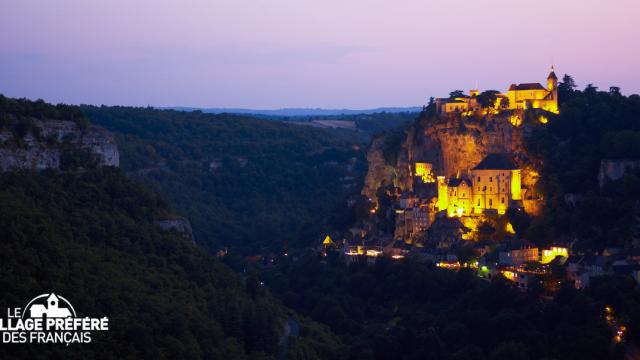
[(496, 162), (527, 86), (456, 182)]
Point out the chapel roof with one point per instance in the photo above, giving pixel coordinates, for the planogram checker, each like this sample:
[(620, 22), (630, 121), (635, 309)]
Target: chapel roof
[(496, 162)]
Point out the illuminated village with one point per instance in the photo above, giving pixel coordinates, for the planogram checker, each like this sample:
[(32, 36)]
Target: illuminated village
[(444, 218)]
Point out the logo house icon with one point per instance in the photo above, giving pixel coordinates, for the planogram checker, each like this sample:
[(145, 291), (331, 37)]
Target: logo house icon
[(51, 308)]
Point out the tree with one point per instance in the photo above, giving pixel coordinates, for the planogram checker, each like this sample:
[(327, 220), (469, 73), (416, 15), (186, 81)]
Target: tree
[(488, 98), (567, 84), (456, 94), (466, 254), (590, 89), (431, 106), (614, 90), (566, 87), (504, 103)]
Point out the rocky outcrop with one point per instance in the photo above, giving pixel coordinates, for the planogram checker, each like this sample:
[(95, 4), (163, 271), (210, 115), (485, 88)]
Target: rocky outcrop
[(177, 224), (457, 145), (611, 170), (41, 147), (452, 144), (379, 172)]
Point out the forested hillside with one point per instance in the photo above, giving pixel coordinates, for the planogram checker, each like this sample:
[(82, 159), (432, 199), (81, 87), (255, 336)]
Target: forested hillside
[(593, 126), (413, 310), (244, 183), (90, 236)]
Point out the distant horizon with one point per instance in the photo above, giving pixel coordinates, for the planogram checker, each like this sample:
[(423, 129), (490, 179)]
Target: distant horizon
[(278, 108), (277, 54)]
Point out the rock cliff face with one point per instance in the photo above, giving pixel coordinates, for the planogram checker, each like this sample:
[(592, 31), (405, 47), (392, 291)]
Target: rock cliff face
[(41, 147), (453, 145), (177, 224), (615, 169), (379, 170)]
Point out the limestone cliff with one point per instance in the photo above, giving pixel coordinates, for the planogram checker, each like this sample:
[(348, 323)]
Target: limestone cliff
[(41, 147), (380, 172), (176, 224), (453, 144)]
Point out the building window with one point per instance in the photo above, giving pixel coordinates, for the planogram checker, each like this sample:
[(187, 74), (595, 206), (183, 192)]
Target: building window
[(478, 178), (503, 200), (490, 178), (490, 202)]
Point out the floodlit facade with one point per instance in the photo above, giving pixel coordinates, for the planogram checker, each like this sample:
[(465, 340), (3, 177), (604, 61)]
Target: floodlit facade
[(425, 172), (495, 183), (518, 97)]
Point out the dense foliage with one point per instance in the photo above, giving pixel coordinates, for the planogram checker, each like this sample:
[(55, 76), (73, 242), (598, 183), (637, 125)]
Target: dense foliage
[(243, 183), (592, 126), (24, 108), (412, 310), (90, 236)]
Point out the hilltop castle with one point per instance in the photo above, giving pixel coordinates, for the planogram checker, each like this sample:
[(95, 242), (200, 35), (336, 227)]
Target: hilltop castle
[(518, 97)]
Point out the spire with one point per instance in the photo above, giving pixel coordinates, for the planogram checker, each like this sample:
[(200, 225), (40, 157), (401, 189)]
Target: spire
[(552, 74)]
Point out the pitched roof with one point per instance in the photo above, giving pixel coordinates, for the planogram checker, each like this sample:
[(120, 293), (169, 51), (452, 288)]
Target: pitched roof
[(518, 244), (552, 75), (527, 86), (457, 182), (496, 162)]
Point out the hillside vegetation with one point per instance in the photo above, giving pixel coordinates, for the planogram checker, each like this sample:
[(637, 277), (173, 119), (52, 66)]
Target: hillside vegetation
[(90, 236), (593, 126), (244, 183), (413, 310)]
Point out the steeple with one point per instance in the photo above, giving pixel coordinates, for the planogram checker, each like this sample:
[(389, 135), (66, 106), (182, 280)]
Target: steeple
[(552, 80), (552, 75)]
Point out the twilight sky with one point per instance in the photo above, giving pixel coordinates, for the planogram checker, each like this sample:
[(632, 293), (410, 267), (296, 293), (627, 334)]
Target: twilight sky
[(307, 53)]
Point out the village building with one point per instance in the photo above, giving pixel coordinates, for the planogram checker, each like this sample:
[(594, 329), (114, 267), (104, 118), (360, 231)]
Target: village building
[(517, 252), (411, 221), (494, 185), (518, 97)]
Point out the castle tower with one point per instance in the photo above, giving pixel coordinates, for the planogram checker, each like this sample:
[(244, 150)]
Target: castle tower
[(552, 81), (552, 86)]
